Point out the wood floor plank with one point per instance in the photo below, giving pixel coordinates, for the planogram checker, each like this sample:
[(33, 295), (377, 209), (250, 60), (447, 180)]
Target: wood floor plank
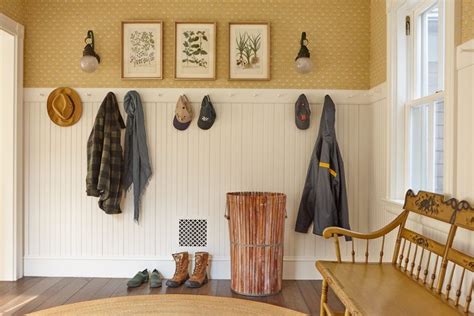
[(33, 305), (170, 290), (12, 291), (276, 299), (144, 289), (7, 285), (223, 288), (310, 296), (293, 298), (29, 294), (121, 290), (88, 292), (187, 290), (109, 288), (74, 285), (208, 289)]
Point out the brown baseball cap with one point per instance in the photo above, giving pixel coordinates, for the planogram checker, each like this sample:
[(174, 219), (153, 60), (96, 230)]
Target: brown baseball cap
[(183, 113)]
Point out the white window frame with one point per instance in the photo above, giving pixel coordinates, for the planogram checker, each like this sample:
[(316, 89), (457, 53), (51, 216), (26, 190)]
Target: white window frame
[(400, 93)]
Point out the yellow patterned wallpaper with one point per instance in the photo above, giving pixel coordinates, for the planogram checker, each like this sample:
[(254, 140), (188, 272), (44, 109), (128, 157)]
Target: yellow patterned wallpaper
[(467, 20), (13, 9), (378, 42), (338, 32)]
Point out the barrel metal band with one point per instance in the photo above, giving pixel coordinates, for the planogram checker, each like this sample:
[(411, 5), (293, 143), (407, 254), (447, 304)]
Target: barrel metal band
[(255, 245)]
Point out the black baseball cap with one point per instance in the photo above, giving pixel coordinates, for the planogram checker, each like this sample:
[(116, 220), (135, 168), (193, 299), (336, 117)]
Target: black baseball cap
[(302, 112), (207, 116)]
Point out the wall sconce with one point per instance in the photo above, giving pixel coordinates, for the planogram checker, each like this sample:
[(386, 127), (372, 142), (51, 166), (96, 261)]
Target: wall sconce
[(303, 63), (90, 60)]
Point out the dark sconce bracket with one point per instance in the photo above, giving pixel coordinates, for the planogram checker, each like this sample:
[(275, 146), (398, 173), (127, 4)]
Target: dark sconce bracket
[(304, 51), (89, 49)]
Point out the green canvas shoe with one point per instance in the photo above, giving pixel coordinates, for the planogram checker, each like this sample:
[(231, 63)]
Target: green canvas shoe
[(156, 279), (139, 278)]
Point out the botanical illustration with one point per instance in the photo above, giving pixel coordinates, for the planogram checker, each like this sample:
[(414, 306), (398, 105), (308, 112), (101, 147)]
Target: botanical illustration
[(195, 47), (142, 48), (248, 50)]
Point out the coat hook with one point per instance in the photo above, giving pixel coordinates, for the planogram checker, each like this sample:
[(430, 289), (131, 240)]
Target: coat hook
[(160, 94), (89, 94), (231, 94), (41, 94), (278, 95), (255, 95)]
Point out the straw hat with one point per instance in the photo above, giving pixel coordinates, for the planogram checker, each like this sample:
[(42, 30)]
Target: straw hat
[(64, 106)]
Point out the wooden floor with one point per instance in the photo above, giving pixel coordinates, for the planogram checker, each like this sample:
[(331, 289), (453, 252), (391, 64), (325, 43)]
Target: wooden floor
[(35, 293)]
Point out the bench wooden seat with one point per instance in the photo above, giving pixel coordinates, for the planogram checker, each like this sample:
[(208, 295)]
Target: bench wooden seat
[(424, 277), (375, 287)]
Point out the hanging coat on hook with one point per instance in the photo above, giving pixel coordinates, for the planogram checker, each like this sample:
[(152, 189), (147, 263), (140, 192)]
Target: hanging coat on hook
[(104, 156), (324, 199)]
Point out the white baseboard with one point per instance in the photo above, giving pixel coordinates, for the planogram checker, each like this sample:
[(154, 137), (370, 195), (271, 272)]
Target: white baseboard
[(294, 268)]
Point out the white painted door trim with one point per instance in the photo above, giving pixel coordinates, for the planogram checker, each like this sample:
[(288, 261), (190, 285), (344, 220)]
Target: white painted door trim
[(12, 267)]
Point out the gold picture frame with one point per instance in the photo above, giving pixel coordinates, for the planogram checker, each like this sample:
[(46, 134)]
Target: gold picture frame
[(245, 62), (139, 55), (189, 61)]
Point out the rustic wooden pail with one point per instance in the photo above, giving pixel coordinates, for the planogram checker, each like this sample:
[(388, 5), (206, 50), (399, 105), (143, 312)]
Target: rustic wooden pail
[(256, 228)]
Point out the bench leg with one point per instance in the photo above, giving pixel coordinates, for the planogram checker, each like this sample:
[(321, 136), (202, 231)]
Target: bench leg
[(324, 296)]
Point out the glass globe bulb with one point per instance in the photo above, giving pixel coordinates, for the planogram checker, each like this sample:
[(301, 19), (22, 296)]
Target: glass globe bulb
[(303, 65), (89, 63)]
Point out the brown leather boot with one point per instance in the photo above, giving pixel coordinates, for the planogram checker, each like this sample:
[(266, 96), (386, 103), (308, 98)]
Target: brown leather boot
[(181, 273), (199, 276)]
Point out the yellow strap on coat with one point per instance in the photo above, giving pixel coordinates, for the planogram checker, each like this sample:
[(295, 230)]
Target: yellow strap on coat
[(327, 166)]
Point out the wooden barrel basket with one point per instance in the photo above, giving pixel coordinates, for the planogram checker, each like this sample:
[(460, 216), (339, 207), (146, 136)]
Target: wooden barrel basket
[(256, 228)]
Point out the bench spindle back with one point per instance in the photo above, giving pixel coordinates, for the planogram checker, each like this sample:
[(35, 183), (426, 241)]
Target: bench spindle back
[(446, 270)]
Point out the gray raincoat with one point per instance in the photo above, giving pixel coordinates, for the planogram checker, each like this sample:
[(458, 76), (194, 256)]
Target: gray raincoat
[(324, 199)]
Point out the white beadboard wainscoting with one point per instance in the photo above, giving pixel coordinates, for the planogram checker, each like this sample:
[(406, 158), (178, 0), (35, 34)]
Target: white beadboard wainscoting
[(253, 145)]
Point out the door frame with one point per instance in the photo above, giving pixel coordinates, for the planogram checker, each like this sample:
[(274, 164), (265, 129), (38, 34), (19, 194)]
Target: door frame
[(11, 269)]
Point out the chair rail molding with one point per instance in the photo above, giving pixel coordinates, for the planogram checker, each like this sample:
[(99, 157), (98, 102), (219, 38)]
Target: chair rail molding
[(222, 95)]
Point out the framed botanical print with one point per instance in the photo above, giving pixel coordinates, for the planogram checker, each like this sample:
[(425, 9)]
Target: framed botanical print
[(249, 51), (195, 51), (142, 50)]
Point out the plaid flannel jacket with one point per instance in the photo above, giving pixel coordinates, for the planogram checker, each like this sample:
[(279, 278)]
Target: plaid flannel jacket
[(104, 156)]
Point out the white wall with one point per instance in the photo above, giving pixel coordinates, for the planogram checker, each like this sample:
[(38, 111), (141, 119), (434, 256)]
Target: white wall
[(254, 145)]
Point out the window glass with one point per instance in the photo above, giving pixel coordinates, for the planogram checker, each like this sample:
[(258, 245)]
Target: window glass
[(427, 147), (429, 79)]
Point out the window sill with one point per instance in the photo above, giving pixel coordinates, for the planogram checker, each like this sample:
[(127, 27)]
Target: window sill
[(393, 206)]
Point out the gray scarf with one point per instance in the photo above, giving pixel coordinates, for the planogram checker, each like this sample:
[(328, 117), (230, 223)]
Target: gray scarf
[(137, 169)]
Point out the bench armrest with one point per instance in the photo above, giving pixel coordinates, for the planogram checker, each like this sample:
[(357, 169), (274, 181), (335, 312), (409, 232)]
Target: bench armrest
[(337, 231)]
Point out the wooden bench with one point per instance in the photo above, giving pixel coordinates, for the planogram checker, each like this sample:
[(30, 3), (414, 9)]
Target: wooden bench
[(424, 277)]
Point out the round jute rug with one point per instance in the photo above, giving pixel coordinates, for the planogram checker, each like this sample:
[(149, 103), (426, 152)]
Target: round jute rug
[(168, 304)]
